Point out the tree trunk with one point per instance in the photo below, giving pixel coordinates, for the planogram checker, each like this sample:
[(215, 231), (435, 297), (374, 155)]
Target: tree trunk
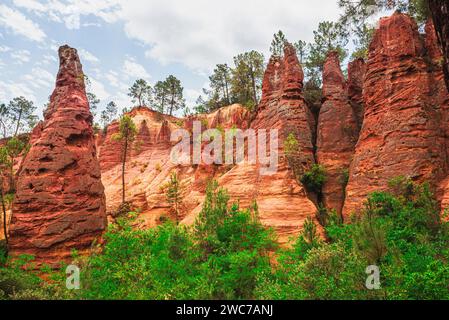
[(163, 104), (440, 15), (172, 103), (18, 123), (125, 149), (254, 89), (12, 181), (227, 91), (140, 100), (5, 229)]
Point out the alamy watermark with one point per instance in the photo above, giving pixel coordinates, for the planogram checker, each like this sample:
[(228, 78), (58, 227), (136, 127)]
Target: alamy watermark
[(229, 147), (73, 277), (373, 279)]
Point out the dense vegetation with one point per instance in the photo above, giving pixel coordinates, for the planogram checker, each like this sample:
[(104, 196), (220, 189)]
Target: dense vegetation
[(228, 254)]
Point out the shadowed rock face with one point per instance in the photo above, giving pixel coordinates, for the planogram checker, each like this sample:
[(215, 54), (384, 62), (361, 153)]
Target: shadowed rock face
[(60, 203), (440, 15), (402, 132), (356, 74), (337, 133)]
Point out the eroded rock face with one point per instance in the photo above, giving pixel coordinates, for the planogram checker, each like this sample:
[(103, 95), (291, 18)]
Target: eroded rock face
[(283, 203), (402, 133), (153, 133), (60, 203), (440, 14), (337, 133), (356, 74), (283, 106), (439, 97)]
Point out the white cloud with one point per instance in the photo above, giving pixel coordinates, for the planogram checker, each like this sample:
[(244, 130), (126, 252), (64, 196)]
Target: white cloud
[(191, 95), (20, 24), (49, 59), (5, 49), (202, 33), (132, 69), (86, 55), (112, 78), (40, 78), (71, 12), (99, 89), (11, 89), (20, 56)]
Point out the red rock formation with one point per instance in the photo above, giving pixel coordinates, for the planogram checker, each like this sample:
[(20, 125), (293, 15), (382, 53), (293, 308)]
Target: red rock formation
[(402, 132), (337, 133), (153, 132), (440, 14), (109, 149), (60, 204), (283, 106), (283, 203), (439, 97), (356, 74)]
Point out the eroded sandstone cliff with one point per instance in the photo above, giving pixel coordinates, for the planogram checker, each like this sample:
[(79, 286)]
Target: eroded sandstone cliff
[(403, 133), (283, 203), (337, 133), (440, 15), (60, 205)]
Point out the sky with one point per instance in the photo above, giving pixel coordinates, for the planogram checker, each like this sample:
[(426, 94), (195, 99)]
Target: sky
[(120, 41)]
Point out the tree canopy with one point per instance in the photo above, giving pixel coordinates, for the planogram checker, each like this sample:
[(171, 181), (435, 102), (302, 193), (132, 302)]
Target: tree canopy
[(140, 92)]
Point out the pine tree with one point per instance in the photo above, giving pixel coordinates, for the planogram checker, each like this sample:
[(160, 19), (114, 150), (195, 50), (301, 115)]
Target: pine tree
[(108, 114), (247, 78), (20, 111), (174, 94), (220, 83), (277, 45), (174, 194), (126, 134), (161, 96), (141, 92)]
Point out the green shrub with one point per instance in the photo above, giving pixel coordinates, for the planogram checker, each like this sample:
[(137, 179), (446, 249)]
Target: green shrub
[(291, 145), (314, 179)]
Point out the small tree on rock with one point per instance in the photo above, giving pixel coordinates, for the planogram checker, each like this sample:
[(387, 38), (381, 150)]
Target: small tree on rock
[(126, 134)]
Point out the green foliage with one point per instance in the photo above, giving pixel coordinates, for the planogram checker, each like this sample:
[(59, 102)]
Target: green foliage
[(301, 50), (220, 83), (240, 84), (314, 178), (228, 253), (127, 133), (393, 232), (127, 130), (174, 194), (364, 35), (160, 94), (277, 45), (141, 92), (108, 114), (330, 36), (356, 13), (291, 145), (344, 177), (247, 75), (19, 113), (93, 102), (170, 92)]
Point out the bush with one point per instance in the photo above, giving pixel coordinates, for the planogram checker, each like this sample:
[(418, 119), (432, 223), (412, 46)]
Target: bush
[(314, 179), (228, 254)]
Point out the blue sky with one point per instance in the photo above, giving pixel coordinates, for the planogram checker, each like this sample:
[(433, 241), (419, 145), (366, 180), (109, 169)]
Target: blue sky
[(122, 40)]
